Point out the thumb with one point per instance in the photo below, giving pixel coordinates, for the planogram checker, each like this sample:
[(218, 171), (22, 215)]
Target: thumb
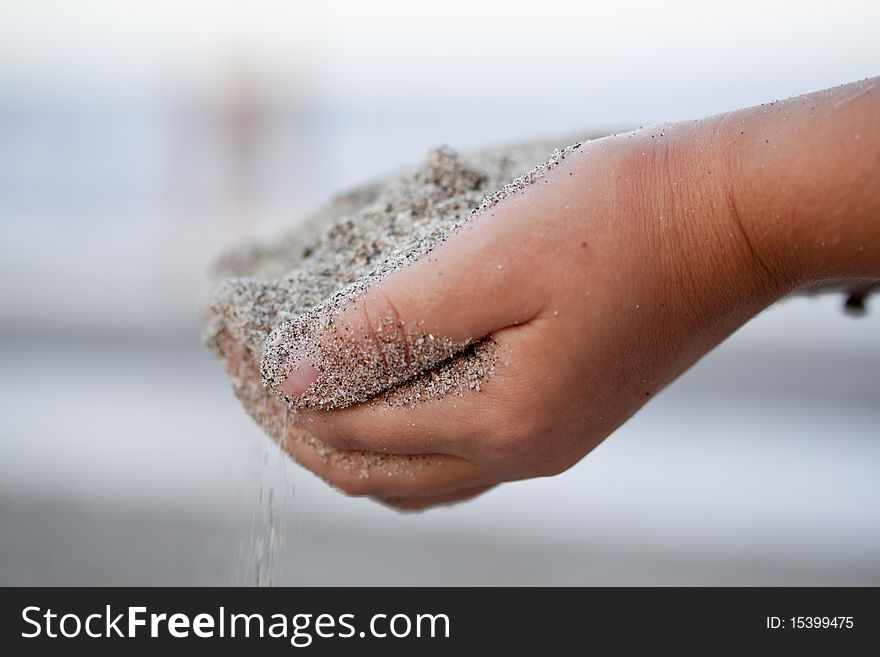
[(372, 336)]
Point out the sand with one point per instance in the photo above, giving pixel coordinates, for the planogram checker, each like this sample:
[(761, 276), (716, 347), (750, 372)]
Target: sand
[(275, 300)]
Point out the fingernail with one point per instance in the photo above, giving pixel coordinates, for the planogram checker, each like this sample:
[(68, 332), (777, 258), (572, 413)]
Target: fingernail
[(300, 378)]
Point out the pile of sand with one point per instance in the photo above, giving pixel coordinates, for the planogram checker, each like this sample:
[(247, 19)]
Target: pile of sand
[(275, 299)]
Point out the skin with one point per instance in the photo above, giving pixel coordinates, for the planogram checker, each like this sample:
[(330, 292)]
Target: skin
[(606, 280)]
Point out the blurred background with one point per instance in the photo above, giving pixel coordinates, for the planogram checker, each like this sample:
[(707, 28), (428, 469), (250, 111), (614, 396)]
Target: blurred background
[(137, 139)]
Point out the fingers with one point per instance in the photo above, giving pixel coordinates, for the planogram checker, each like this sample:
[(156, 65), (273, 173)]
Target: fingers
[(471, 424), (474, 283), (385, 475), (412, 480), (448, 425)]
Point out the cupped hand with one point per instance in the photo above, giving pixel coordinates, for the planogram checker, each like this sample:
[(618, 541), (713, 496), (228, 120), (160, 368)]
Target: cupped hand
[(599, 284)]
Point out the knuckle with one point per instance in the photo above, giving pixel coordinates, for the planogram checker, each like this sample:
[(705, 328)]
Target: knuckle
[(524, 444), (367, 435), (360, 434), (352, 431), (368, 342), (327, 432), (517, 432), (387, 332), (341, 436)]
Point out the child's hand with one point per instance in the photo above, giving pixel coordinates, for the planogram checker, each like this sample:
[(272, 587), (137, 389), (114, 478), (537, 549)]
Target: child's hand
[(604, 281)]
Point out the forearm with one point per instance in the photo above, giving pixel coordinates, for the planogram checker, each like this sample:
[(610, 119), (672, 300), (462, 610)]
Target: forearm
[(804, 182), (739, 210)]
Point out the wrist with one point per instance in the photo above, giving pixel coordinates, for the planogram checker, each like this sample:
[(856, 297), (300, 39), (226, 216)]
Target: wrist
[(802, 175), (729, 274)]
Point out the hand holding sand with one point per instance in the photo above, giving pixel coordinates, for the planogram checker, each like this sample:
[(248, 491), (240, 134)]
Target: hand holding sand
[(586, 292)]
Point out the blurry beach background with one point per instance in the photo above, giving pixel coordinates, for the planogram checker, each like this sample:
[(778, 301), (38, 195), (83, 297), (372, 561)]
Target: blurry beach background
[(137, 139)]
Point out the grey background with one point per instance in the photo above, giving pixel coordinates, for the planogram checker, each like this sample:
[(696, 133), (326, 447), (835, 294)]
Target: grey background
[(129, 155)]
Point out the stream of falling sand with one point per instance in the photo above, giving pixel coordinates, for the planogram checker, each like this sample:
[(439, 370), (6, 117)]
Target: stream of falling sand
[(259, 563)]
